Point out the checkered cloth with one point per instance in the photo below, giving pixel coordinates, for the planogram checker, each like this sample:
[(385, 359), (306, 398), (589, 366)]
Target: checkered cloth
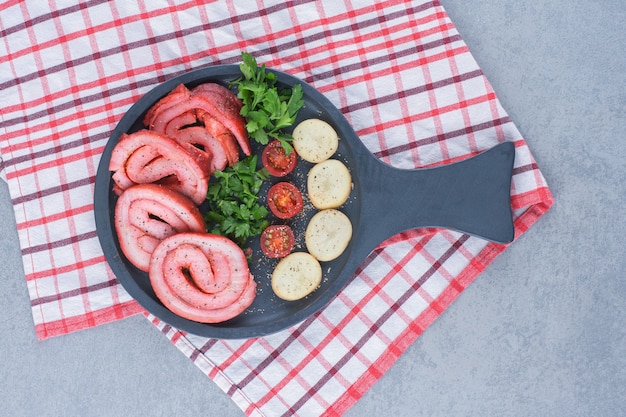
[(400, 73)]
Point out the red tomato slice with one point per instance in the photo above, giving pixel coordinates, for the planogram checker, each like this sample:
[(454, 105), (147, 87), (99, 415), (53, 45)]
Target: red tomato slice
[(284, 200), (276, 160), (277, 241)]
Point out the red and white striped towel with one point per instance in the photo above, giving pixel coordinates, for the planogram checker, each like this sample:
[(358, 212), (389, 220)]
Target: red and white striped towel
[(400, 73)]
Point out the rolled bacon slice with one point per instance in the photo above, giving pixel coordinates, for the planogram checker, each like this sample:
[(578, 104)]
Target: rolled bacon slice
[(223, 105), (213, 99), (179, 94), (148, 157), (219, 93), (148, 213), (202, 277), (180, 122), (200, 138), (217, 130)]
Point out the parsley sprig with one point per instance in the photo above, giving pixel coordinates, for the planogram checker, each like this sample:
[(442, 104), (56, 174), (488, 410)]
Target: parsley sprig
[(234, 210), (266, 109)]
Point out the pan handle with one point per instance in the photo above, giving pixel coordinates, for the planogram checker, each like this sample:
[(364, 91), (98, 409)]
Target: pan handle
[(471, 196)]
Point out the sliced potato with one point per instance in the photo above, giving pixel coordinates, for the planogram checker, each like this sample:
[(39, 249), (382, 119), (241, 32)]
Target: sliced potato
[(329, 184), (327, 235), (296, 276), (315, 140)]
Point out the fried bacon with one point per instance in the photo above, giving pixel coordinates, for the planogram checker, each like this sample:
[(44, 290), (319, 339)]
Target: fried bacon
[(147, 157), (148, 213), (202, 277)]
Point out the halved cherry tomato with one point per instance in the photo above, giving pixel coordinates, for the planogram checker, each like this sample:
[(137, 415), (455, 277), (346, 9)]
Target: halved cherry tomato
[(276, 160), (284, 200), (277, 241)]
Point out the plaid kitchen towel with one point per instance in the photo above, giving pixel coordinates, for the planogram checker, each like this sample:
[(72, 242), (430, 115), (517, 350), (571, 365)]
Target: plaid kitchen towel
[(399, 72)]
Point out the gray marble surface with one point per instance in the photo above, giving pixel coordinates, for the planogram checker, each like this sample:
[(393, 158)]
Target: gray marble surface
[(540, 333)]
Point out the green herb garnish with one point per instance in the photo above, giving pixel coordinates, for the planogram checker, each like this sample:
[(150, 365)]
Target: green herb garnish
[(266, 109), (234, 210)]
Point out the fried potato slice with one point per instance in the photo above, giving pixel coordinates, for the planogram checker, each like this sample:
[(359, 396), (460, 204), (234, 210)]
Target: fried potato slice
[(296, 276), (315, 140), (329, 184), (328, 234)]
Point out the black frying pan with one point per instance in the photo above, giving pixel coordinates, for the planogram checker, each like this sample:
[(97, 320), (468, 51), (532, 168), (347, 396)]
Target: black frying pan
[(472, 196)]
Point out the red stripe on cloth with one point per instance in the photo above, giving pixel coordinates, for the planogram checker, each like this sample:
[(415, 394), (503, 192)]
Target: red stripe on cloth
[(542, 195), (432, 113), (62, 160), (55, 217), (64, 269), (237, 353), (456, 74), (9, 3), (176, 336), (94, 318), (530, 216)]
